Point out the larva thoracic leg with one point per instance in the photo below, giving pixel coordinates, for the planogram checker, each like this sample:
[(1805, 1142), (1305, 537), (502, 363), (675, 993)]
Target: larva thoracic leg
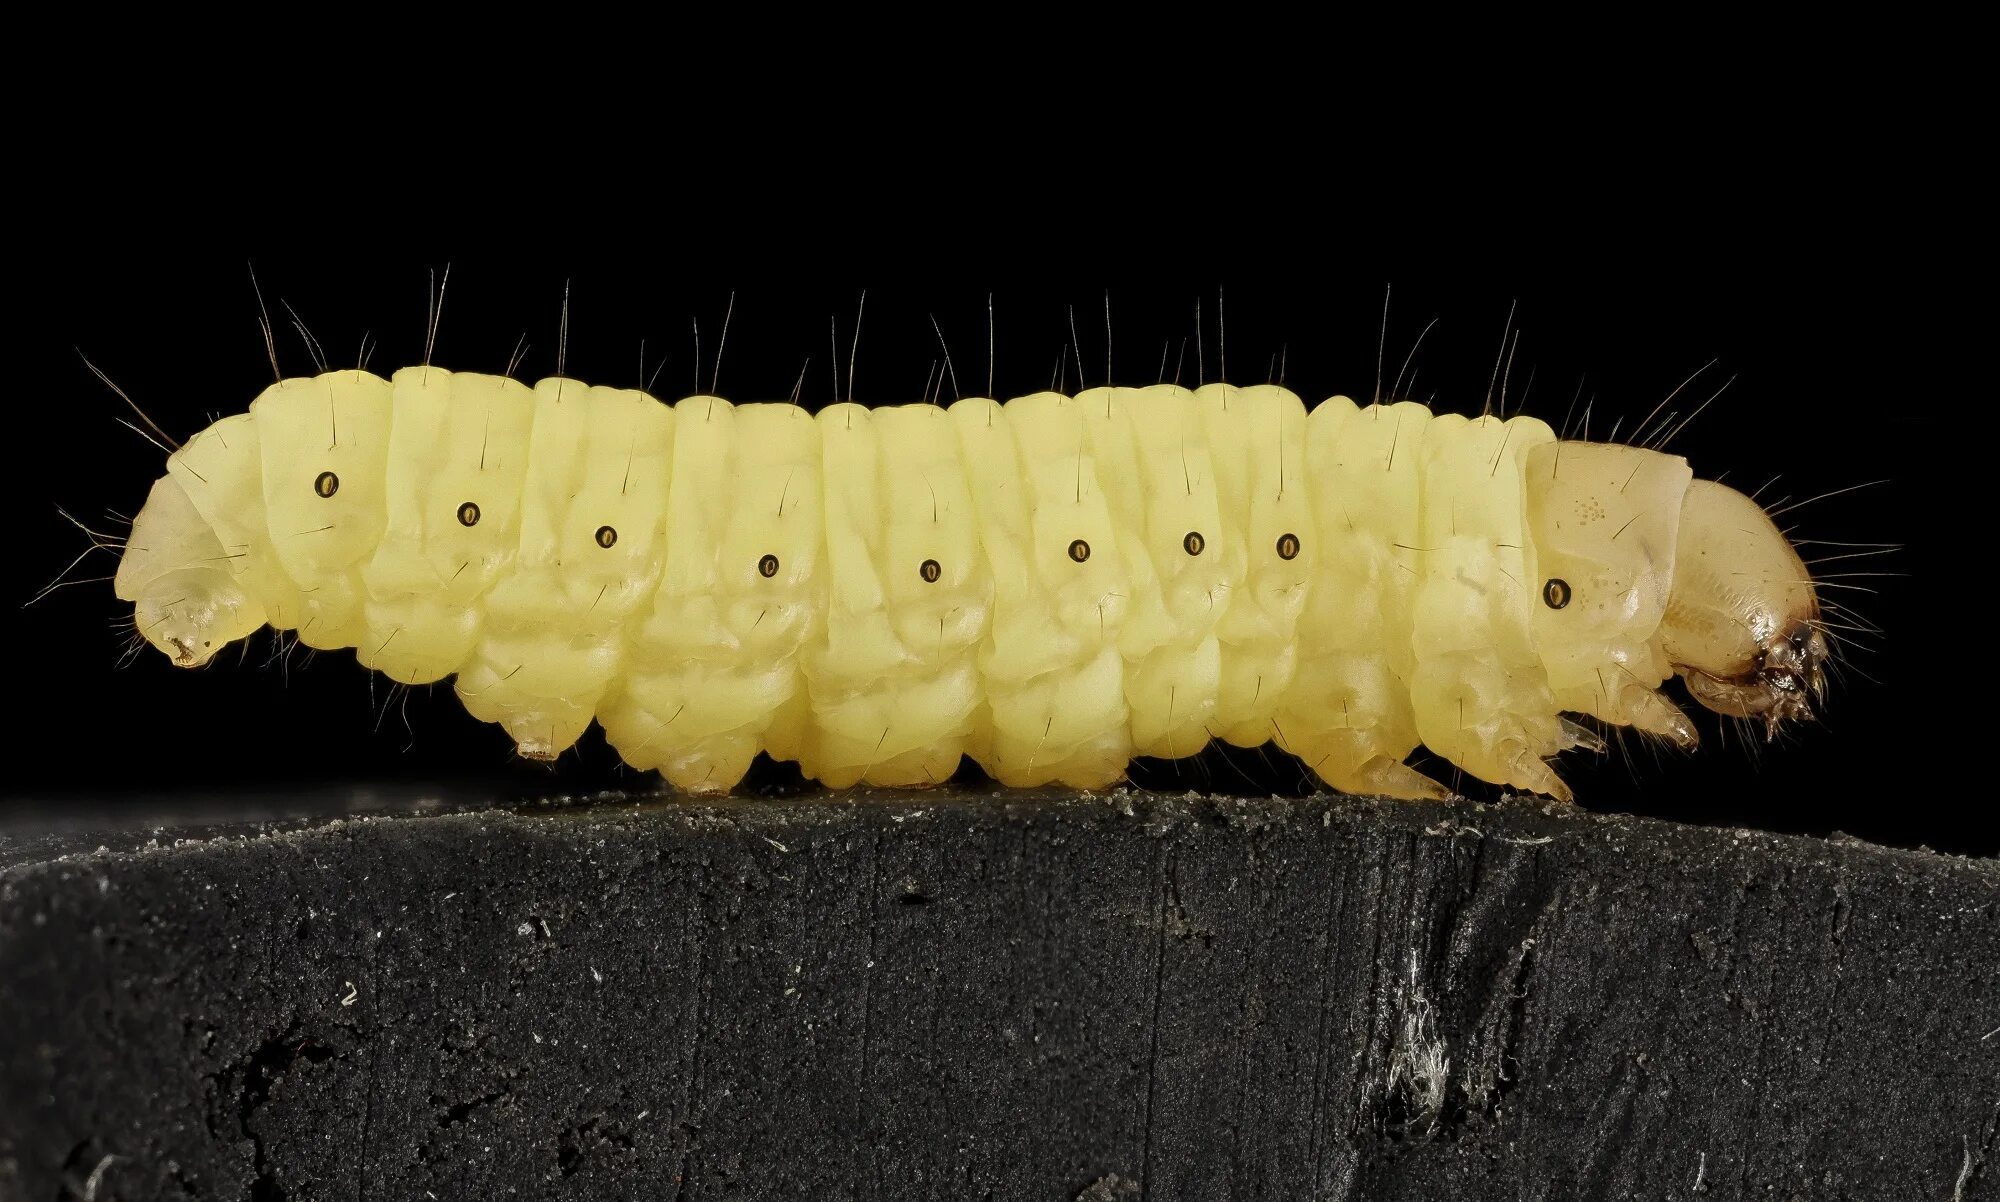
[(1596, 645), (1051, 586)]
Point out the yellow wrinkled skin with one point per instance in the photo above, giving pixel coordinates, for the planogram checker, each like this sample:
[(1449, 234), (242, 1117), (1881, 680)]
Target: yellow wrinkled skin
[(1051, 586)]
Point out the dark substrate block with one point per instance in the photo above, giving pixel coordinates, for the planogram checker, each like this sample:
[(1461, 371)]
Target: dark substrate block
[(1009, 996)]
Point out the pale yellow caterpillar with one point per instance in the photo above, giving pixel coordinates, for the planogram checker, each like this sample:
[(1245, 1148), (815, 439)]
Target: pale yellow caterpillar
[(1051, 586)]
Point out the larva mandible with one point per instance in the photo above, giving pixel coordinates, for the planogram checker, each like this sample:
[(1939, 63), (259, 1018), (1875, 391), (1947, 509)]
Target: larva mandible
[(1051, 586)]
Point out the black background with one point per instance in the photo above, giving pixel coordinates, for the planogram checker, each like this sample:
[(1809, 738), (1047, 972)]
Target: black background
[(1625, 284)]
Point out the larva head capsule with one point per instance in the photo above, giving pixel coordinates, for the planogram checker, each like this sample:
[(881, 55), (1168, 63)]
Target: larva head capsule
[(1742, 625), (188, 602), (1643, 571)]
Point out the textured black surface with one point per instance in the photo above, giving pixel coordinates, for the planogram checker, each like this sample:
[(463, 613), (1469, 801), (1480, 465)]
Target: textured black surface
[(1009, 997)]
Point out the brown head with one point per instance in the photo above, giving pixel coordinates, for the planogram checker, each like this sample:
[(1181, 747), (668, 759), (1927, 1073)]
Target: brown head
[(1742, 625)]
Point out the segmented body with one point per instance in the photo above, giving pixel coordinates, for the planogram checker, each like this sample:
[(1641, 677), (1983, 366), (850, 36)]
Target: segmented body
[(1051, 586)]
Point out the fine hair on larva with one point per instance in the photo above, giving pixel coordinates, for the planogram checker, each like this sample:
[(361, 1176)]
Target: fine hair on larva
[(1050, 586)]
